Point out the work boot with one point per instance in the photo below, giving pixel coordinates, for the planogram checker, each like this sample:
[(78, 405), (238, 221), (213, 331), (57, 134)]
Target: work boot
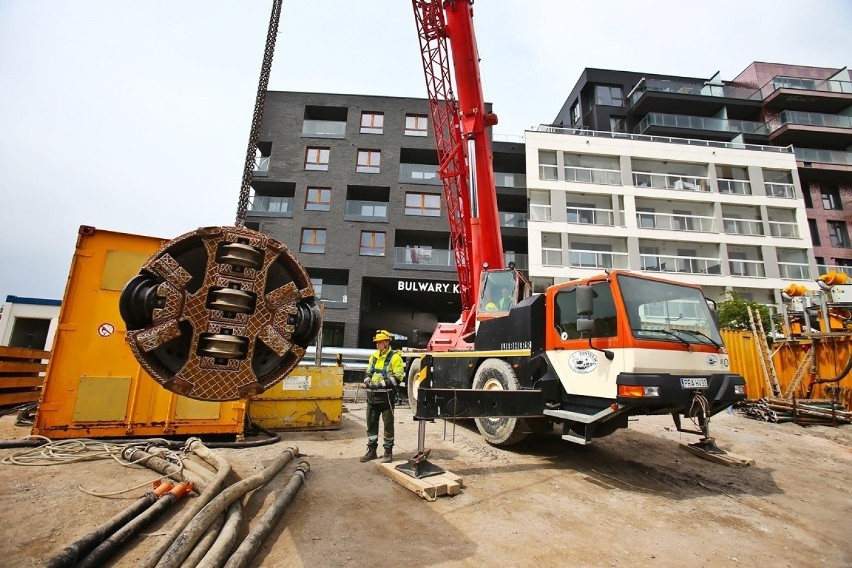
[(388, 457), (370, 455)]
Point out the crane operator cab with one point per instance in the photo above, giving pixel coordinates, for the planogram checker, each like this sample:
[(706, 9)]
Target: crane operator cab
[(499, 291)]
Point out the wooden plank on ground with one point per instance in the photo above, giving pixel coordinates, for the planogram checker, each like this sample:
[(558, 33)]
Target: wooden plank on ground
[(430, 488), (22, 353), (729, 459), (14, 398)]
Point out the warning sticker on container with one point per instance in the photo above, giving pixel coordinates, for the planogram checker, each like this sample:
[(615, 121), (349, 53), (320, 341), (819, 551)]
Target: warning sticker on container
[(296, 383)]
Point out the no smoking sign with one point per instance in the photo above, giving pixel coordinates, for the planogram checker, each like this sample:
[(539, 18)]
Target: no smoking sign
[(106, 329)]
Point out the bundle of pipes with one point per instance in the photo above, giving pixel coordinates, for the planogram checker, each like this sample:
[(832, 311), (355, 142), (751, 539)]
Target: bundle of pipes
[(206, 533), (804, 412)]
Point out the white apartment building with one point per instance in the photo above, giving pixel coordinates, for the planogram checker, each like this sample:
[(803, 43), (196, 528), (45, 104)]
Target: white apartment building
[(723, 215)]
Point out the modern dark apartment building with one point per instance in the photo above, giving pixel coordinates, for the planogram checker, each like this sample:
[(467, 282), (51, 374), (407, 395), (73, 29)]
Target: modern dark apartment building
[(350, 184), (807, 108)]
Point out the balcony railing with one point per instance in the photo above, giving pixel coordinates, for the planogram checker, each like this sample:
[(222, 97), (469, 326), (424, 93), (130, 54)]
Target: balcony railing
[(366, 210), (601, 176), (675, 222), (784, 229), (815, 119), (540, 213), (783, 190), (424, 256), (590, 216), (515, 220), (734, 186), (794, 271), (332, 292), (666, 139), (324, 129), (684, 88), (826, 268), (503, 179), (522, 261), (271, 205), (261, 166), (419, 173), (680, 264), (579, 258), (696, 123), (742, 227), (548, 172), (747, 268), (804, 84), (670, 181), (824, 156)]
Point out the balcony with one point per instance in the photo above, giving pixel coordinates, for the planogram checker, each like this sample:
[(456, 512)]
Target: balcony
[(705, 127), (366, 211), (540, 213), (268, 206), (656, 95), (784, 229), (831, 166), (781, 190), (747, 268), (810, 129), (334, 295), (745, 227), (734, 186), (513, 220), (671, 181), (599, 176), (679, 264), (826, 268), (676, 222), (323, 129), (794, 271), (579, 258), (522, 261), (816, 95), (590, 216), (503, 179), (425, 258), (261, 166), (419, 174)]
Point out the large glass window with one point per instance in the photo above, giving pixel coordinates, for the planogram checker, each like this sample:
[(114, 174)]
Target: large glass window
[(318, 199), (317, 158), (609, 95), (372, 243), (575, 113), (416, 125), (812, 226), (423, 204), (551, 249), (831, 198), (372, 122), (604, 314), (838, 234), (369, 161), (313, 240), (547, 168)]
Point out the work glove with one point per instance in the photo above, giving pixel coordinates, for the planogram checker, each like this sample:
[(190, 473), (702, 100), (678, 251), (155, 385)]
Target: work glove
[(383, 384), (368, 383)]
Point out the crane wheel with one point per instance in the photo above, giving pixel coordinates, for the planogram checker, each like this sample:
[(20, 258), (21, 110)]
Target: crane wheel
[(504, 431), (220, 313)]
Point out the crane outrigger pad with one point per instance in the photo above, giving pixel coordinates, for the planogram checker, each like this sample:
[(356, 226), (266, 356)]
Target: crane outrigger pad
[(430, 488)]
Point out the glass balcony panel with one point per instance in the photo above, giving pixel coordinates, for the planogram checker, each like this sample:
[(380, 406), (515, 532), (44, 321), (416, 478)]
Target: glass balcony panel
[(592, 175), (782, 190), (826, 268), (540, 212), (502, 179), (366, 210), (696, 123), (671, 181), (332, 292), (324, 129), (516, 220), (551, 257), (734, 186), (784, 229), (424, 256), (702, 89), (521, 261), (823, 156), (261, 166), (269, 204), (747, 268), (794, 271), (419, 174), (591, 216), (548, 172), (676, 222), (742, 227), (679, 264), (579, 258), (815, 119)]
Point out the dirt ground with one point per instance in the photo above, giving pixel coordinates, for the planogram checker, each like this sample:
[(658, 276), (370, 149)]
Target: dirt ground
[(631, 499)]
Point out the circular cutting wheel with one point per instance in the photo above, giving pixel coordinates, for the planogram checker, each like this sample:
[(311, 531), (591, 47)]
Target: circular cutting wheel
[(220, 313)]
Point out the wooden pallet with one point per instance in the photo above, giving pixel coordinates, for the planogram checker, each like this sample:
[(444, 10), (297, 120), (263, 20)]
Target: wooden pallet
[(21, 375), (728, 459), (430, 488)]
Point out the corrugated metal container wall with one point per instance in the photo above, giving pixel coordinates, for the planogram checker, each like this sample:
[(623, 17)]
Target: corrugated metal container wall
[(94, 386), (832, 355), (311, 398)]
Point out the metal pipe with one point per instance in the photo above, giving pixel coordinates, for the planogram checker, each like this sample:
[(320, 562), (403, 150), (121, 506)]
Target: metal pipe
[(85, 544), (110, 546), (185, 541), (249, 547)]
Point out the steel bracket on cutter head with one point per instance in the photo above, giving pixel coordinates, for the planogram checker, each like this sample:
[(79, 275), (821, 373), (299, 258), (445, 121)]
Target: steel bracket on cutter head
[(220, 313)]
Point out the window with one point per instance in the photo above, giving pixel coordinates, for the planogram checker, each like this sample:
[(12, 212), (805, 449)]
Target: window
[(812, 225), (317, 158), (318, 199), (838, 234), (551, 249), (369, 161), (646, 218), (372, 122), (372, 244), (609, 96), (617, 124), (604, 313), (539, 205), (416, 125), (547, 169), (313, 240), (831, 198), (575, 113), (423, 204), (580, 213)]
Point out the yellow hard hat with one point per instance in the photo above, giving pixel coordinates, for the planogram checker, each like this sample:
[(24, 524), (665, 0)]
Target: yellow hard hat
[(382, 335)]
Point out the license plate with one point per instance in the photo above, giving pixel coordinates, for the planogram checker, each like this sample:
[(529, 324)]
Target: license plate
[(693, 383)]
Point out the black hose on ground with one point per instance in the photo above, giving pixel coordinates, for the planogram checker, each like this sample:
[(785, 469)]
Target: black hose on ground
[(85, 544), (250, 546), (183, 544), (205, 542), (97, 557), (23, 443), (221, 549)]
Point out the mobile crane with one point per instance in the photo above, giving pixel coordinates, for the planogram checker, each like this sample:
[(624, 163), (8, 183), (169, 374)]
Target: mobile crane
[(223, 313)]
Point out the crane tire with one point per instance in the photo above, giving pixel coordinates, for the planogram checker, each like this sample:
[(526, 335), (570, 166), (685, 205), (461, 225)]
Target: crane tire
[(496, 374)]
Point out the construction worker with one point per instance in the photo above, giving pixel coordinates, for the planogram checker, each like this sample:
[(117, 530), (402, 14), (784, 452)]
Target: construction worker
[(506, 300), (385, 372)]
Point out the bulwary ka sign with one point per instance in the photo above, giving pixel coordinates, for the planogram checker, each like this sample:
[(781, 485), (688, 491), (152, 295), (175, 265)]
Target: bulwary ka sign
[(427, 286)]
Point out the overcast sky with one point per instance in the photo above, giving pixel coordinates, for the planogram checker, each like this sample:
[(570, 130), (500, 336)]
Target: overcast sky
[(134, 116)]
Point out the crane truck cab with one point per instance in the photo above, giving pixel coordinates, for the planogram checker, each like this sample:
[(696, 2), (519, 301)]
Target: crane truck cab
[(586, 355)]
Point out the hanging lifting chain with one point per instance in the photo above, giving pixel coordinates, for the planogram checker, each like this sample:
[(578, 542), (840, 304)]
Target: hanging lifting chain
[(263, 83)]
